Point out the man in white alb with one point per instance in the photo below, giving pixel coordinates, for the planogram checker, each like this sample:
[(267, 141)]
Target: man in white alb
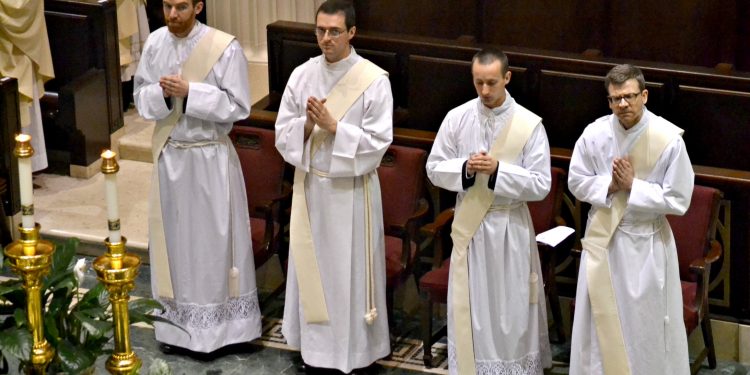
[(334, 125), (495, 154), (192, 79), (633, 168)]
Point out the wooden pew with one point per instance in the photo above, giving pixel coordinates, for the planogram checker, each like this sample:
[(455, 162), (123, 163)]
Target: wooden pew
[(82, 105), (10, 125), (430, 76)]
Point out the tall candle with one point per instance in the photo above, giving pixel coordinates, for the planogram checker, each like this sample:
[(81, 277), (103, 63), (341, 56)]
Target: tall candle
[(109, 169), (24, 151)]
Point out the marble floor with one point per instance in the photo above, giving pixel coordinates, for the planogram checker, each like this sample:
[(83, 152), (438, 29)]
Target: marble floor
[(74, 207)]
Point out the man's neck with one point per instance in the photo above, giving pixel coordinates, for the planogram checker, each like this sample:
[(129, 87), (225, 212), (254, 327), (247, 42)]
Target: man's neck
[(348, 53)]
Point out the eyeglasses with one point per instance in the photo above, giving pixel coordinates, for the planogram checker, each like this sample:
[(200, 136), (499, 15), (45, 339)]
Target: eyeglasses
[(629, 98), (333, 33)]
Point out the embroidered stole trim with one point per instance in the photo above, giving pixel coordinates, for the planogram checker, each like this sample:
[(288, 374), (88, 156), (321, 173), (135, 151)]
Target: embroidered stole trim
[(646, 151), (205, 54), (477, 201), (343, 95)]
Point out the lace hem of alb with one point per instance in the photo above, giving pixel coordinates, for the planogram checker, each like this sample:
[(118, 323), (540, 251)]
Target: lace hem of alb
[(209, 316), (530, 364)]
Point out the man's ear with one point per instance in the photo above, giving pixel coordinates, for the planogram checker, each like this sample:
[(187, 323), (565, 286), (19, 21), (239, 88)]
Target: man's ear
[(199, 7)]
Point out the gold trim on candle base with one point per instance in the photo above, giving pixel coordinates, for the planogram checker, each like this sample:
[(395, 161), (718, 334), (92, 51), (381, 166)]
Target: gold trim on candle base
[(23, 147), (109, 162), (31, 258), (117, 270)]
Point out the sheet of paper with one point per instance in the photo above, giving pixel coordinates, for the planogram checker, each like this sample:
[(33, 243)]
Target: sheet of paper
[(555, 235)]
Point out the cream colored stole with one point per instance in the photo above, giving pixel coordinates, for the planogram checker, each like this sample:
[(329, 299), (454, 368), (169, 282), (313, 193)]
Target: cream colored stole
[(646, 151), (347, 90), (197, 66), (24, 49), (477, 201), (127, 25)]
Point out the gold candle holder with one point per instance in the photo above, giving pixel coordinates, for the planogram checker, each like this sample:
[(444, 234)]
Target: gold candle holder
[(31, 258), (117, 270)]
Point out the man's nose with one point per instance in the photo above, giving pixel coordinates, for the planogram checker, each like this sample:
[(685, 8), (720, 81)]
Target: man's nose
[(622, 103), (173, 13), (485, 89)]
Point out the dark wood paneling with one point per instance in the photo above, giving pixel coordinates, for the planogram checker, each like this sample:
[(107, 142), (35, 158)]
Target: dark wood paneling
[(568, 102), (388, 61), (296, 53), (717, 124), (692, 32), (84, 34), (10, 125), (743, 35), (572, 26), (83, 43), (435, 87), (71, 52), (418, 17)]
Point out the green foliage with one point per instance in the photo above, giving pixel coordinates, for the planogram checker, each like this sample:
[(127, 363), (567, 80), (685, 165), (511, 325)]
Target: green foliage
[(78, 327)]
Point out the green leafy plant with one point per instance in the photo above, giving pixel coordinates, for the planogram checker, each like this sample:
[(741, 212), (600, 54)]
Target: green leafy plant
[(77, 326)]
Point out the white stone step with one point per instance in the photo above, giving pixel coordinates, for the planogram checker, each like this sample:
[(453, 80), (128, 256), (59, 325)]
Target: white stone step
[(72, 207), (135, 143)]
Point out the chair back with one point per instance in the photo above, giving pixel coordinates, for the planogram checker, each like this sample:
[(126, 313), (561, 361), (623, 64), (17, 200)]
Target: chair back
[(694, 230), (544, 213), (402, 175), (262, 165)]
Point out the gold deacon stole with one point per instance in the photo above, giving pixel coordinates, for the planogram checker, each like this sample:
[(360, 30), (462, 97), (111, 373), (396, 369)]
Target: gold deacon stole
[(127, 25), (24, 50), (477, 201), (646, 151), (197, 66), (346, 91)]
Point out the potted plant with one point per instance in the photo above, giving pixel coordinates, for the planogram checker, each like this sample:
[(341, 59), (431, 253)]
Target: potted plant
[(77, 326)]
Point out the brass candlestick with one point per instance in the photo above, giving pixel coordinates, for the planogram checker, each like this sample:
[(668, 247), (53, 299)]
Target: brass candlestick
[(31, 258), (117, 270)]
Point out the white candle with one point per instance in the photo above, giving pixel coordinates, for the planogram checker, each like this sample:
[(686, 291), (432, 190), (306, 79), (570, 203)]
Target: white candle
[(110, 189), (26, 185)]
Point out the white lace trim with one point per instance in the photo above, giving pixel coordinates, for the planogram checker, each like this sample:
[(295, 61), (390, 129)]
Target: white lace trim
[(209, 316), (530, 364)]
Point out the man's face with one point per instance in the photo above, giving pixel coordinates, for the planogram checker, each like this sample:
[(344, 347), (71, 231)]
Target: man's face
[(627, 102), (180, 16), (490, 83), (333, 47)]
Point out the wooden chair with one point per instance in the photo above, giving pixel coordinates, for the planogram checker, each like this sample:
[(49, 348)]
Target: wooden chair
[(5, 235), (263, 168), (697, 249), (545, 215), (402, 175)]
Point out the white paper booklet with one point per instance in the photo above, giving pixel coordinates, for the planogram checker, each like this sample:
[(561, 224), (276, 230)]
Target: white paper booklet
[(555, 235)]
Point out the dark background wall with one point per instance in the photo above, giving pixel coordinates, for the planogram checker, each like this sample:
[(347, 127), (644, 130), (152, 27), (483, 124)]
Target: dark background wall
[(690, 32)]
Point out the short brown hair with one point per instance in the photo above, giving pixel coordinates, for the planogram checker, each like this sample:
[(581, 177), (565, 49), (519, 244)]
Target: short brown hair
[(622, 73), (489, 55), (335, 6)]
